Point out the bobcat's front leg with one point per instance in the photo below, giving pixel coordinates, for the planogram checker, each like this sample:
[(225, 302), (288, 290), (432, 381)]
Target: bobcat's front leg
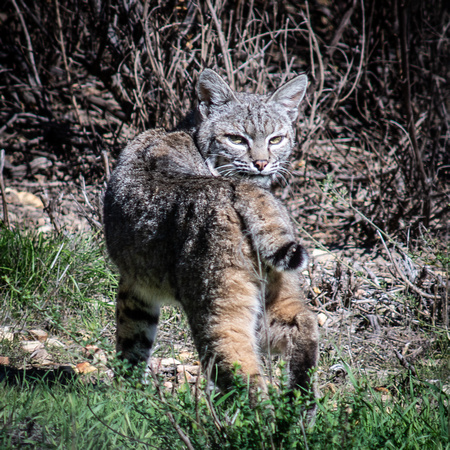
[(137, 321), (291, 328)]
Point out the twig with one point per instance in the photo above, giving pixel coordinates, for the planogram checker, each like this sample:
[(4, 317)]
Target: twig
[(156, 65), (405, 363), (106, 106), (403, 7), (339, 31), (49, 209), (318, 93), (212, 410), (223, 46), (402, 275), (10, 122), (361, 60), (37, 80), (2, 188), (169, 415), (106, 164), (66, 65)]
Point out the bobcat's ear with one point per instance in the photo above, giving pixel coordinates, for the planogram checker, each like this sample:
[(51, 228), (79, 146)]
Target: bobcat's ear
[(212, 91), (291, 94)]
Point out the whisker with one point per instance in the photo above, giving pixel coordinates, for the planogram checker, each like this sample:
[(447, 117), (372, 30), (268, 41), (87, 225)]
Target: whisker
[(224, 166)]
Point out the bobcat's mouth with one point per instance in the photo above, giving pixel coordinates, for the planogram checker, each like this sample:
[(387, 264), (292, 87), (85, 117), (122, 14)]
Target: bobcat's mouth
[(260, 179)]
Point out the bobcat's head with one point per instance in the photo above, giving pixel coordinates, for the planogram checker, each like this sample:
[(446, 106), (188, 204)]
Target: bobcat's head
[(247, 135)]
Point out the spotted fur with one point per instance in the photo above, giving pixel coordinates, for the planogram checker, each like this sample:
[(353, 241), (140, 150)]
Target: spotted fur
[(223, 248)]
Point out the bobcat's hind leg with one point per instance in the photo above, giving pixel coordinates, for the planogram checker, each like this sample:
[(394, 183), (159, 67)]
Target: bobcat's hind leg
[(137, 320), (291, 328), (224, 331)]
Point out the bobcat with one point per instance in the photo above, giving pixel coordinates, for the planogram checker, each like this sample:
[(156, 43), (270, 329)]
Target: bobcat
[(222, 247)]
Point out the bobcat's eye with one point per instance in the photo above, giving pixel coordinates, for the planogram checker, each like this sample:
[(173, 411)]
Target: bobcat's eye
[(276, 140), (235, 139)]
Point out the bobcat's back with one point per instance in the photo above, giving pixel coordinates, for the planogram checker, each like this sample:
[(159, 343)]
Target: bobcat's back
[(170, 224)]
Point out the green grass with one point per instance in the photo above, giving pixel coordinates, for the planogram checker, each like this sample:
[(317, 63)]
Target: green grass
[(64, 284), (127, 415), (60, 281)]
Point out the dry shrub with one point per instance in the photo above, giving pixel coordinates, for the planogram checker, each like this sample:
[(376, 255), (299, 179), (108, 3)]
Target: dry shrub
[(80, 77)]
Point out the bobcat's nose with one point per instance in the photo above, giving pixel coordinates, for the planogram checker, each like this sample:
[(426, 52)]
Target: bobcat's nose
[(260, 164)]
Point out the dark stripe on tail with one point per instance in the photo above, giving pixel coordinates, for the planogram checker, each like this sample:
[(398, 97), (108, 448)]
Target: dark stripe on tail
[(289, 257)]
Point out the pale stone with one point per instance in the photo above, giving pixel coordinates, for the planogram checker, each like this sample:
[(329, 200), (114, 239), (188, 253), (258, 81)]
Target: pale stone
[(321, 319)]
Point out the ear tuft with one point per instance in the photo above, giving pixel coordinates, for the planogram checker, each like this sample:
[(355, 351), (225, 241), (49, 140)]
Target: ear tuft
[(291, 94), (212, 91)]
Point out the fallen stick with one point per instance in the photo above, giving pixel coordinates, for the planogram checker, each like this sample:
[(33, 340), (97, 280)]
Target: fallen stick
[(2, 189)]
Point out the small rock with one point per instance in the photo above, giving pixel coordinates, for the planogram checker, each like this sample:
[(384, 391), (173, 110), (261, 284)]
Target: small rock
[(193, 370), (169, 362), (321, 319), (4, 361), (45, 229), (184, 376), (29, 199), (168, 384)]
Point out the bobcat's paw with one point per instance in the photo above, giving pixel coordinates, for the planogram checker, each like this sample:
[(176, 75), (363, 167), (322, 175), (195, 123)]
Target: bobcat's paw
[(291, 256)]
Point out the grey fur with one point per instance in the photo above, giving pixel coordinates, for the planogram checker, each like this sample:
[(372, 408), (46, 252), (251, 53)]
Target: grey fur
[(223, 115), (223, 248)]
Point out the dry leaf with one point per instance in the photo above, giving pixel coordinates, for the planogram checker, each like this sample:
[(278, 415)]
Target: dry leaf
[(186, 355), (6, 335), (31, 346), (98, 355), (329, 388), (40, 335), (84, 368), (54, 342), (41, 356), (382, 389)]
